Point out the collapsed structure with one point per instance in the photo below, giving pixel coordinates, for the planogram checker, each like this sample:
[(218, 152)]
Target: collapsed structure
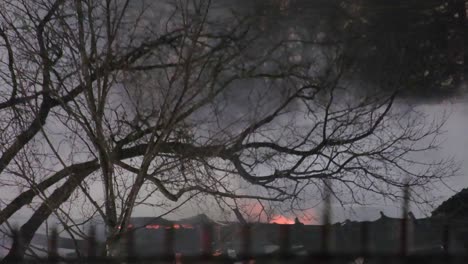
[(385, 235), (445, 231)]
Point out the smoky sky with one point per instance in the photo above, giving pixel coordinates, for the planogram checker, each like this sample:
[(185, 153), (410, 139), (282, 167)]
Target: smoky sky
[(382, 52), (386, 51)]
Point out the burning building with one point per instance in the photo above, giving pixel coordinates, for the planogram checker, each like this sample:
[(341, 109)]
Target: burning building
[(189, 237), (445, 232)]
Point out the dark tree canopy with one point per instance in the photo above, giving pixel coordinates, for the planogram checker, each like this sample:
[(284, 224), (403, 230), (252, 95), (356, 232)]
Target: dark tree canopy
[(418, 44), (456, 207)]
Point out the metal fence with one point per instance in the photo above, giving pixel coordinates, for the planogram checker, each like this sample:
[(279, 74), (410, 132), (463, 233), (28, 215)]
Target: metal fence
[(209, 253), (284, 254)]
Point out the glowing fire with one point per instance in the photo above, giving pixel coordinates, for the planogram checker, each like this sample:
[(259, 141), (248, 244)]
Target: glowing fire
[(174, 226), (217, 253), (282, 220), (308, 218), (257, 212)]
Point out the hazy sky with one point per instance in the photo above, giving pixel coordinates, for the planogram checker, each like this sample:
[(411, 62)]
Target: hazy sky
[(455, 143)]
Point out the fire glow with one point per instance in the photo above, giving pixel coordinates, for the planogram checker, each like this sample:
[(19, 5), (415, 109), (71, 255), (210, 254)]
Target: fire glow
[(282, 220), (257, 211), (307, 218), (174, 226)]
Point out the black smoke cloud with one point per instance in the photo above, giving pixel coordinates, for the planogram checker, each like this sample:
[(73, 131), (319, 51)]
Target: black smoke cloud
[(416, 46)]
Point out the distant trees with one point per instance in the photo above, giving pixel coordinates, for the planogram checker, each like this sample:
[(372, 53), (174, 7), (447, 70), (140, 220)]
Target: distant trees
[(453, 208), (420, 43), (159, 103)]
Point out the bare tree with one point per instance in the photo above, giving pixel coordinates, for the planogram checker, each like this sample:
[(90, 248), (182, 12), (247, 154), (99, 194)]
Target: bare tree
[(165, 102)]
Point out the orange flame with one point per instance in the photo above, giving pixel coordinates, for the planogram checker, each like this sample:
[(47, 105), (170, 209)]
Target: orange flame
[(217, 253), (282, 220), (256, 212), (306, 218), (174, 226)]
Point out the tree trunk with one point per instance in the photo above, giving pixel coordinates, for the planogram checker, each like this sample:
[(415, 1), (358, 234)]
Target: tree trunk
[(28, 230)]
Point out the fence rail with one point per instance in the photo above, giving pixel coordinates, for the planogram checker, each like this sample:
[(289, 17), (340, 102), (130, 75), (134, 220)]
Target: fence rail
[(210, 253)]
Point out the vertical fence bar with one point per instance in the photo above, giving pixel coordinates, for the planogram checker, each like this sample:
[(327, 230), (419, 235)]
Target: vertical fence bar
[(52, 250), (325, 238), (446, 239), (285, 239), (246, 243), (130, 245), (206, 240), (91, 251), (16, 245), (169, 253), (178, 258), (404, 222), (364, 239)]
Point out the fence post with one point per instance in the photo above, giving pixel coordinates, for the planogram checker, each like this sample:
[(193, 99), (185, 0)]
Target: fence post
[(169, 244), (364, 239), (284, 237), (246, 243), (446, 239), (130, 245), (17, 244), (325, 238), (91, 251), (91, 246), (206, 240), (404, 222), (52, 251)]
